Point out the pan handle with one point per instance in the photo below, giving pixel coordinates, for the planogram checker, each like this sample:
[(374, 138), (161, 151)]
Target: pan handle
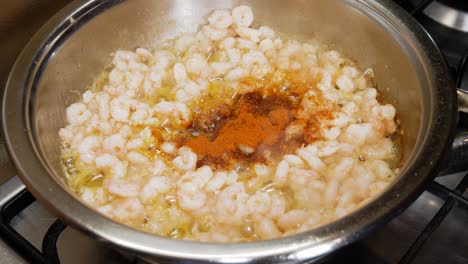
[(462, 101), (457, 159), (10, 189)]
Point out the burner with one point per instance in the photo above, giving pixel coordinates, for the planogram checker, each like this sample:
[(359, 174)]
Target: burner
[(453, 14)]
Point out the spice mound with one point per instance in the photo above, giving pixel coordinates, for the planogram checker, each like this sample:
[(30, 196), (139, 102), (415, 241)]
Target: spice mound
[(253, 127)]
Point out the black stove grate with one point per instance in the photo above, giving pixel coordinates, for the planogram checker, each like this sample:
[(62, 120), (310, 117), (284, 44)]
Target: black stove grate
[(49, 253), (413, 7), (451, 197), (21, 245)]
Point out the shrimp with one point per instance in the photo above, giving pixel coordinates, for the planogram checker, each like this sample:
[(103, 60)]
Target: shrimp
[(137, 158), (184, 42), (214, 34), (341, 120), (180, 74), (96, 125), (227, 43), (114, 144), (262, 170), (155, 186), (231, 204), (266, 32), (77, 114), (282, 172), (234, 55), (177, 110), (121, 187), (236, 74), (382, 149), (199, 178), (135, 144), (133, 80), (342, 168), (349, 71), (246, 44), (186, 159), (331, 58), (190, 197), (220, 19), (111, 165), (357, 134), (350, 108), (144, 54), (66, 135), (331, 133), (169, 148), (116, 76), (364, 178), (163, 59), (345, 84), (127, 209), (259, 203), (326, 148), (267, 229), (152, 83), (94, 197), (122, 58), (242, 16), (295, 129), (292, 219), (103, 101), (294, 160), (278, 205), (380, 168), (141, 115), (202, 176), (182, 95), (195, 64), (266, 45), (120, 108), (387, 112), (88, 96), (310, 157), (249, 33), (331, 192), (220, 68), (253, 57), (217, 181), (88, 149), (158, 167)]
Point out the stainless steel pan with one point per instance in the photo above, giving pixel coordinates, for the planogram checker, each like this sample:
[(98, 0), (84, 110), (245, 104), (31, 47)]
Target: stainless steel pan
[(62, 59)]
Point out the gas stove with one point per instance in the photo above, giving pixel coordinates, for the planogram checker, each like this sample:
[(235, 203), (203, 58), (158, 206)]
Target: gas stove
[(434, 229)]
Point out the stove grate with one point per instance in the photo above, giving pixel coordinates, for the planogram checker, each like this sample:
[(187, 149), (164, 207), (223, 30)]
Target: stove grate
[(413, 8), (451, 197), (11, 209)]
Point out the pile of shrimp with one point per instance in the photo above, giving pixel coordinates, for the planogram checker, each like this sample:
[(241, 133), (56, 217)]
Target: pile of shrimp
[(119, 157)]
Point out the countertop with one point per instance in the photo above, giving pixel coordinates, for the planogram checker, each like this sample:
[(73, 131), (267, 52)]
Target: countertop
[(19, 20)]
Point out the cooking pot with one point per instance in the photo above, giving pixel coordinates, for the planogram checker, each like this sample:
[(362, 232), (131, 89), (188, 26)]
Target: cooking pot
[(61, 60)]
